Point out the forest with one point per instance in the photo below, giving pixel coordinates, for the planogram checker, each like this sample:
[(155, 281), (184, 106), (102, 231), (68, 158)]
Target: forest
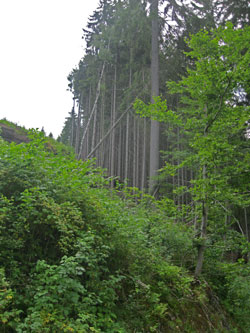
[(137, 218)]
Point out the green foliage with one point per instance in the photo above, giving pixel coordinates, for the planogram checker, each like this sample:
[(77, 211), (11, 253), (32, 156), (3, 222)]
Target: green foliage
[(9, 315), (157, 111), (76, 257), (238, 296), (210, 124)]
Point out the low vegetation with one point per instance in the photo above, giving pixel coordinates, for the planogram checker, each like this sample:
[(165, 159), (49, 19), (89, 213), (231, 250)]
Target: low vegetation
[(77, 257)]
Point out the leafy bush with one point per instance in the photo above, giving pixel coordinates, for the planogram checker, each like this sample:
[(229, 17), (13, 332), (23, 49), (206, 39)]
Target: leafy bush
[(237, 276), (76, 257)]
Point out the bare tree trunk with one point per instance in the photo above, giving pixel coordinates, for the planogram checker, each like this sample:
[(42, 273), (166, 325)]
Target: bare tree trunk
[(130, 67), (138, 153), (144, 146), (102, 131), (127, 147), (203, 233), (119, 162), (186, 182), (86, 146), (113, 116), (126, 173), (134, 152), (155, 127), (182, 184), (72, 124), (178, 173), (94, 129), (78, 128), (202, 247)]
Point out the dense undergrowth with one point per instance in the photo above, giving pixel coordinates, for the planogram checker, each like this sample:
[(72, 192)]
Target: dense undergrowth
[(76, 257)]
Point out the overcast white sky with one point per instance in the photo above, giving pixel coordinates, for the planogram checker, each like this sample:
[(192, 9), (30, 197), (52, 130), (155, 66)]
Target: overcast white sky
[(40, 43)]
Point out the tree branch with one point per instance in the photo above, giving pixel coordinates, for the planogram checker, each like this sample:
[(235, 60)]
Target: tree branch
[(220, 107)]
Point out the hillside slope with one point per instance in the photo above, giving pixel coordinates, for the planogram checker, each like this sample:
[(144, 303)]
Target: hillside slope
[(12, 133)]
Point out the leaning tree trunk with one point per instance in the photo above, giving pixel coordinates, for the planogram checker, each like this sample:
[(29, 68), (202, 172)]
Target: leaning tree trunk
[(155, 127)]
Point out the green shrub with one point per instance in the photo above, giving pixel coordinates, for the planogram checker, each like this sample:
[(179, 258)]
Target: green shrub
[(76, 257)]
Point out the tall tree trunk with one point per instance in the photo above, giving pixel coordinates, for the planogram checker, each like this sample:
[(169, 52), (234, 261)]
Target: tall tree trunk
[(119, 162), (72, 124), (134, 152), (178, 172), (155, 128), (94, 129), (78, 127), (102, 130), (126, 172), (203, 233), (144, 154), (113, 116), (127, 148), (144, 145), (93, 110), (138, 154)]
